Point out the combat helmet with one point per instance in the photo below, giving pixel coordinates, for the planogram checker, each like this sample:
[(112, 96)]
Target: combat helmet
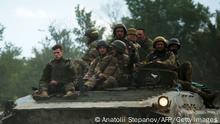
[(131, 31), (119, 45), (102, 43), (175, 41), (158, 39), (119, 26)]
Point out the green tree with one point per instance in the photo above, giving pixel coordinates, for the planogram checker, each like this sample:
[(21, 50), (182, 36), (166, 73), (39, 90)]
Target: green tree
[(65, 38), (186, 20), (206, 44), (170, 18), (1, 31), (10, 69)]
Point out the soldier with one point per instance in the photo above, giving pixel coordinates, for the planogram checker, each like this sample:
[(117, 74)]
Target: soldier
[(185, 74), (58, 76), (91, 52), (123, 76), (145, 43), (132, 36), (102, 70), (120, 33), (160, 53)]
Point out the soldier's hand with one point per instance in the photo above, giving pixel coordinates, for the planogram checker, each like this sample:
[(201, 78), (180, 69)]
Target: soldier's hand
[(135, 66), (101, 76), (53, 82), (86, 77), (159, 61)]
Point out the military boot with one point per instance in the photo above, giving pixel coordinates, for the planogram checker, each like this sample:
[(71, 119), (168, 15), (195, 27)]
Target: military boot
[(84, 90), (70, 95), (43, 95), (208, 99)]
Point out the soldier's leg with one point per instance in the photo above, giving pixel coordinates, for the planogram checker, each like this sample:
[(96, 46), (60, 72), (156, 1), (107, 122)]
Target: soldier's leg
[(69, 87), (124, 80), (42, 92), (70, 90), (43, 86), (90, 83), (208, 98), (185, 71), (110, 83), (52, 89)]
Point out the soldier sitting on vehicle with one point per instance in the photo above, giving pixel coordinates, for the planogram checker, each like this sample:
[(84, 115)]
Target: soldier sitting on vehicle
[(102, 70), (185, 74), (160, 53), (159, 59), (132, 36), (145, 43), (91, 53), (58, 77), (123, 76), (120, 32)]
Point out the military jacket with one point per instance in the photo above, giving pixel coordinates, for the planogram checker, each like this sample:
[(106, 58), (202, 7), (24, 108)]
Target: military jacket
[(107, 66), (166, 57), (145, 49), (60, 70), (91, 53)]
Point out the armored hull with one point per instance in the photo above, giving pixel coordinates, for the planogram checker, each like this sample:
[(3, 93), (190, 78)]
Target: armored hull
[(103, 105), (124, 106)]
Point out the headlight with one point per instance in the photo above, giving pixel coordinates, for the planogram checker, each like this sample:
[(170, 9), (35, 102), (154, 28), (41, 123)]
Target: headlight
[(163, 101)]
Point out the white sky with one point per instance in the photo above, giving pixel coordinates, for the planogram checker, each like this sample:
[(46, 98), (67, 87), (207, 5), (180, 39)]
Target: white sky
[(27, 21)]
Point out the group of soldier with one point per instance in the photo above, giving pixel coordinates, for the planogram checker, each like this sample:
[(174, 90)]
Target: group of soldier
[(112, 64)]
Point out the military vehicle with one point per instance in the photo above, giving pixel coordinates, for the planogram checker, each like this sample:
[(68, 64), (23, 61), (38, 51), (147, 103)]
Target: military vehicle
[(153, 100)]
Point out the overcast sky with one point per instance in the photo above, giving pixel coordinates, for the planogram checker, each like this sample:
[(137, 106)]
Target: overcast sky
[(27, 21)]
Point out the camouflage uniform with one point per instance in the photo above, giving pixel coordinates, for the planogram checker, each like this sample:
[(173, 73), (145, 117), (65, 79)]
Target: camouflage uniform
[(105, 66), (145, 49), (60, 70), (124, 76), (131, 50), (164, 56), (131, 43), (102, 70), (91, 53)]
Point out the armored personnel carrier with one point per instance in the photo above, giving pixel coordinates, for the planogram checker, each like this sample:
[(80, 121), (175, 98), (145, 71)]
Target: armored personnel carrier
[(154, 100)]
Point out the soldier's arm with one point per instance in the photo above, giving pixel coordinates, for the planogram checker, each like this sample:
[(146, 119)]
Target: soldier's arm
[(148, 59), (91, 70), (170, 61), (134, 55), (110, 68), (93, 54), (45, 78), (72, 71)]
